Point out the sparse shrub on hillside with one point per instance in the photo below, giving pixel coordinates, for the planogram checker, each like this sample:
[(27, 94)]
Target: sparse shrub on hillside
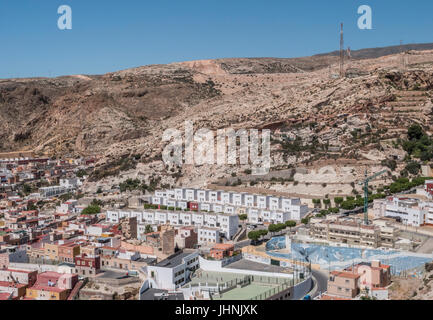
[(392, 164), (413, 167)]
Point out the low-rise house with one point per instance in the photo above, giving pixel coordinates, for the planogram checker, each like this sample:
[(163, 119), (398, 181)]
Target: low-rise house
[(207, 235), (222, 250), (372, 274), (88, 265), (344, 284), (18, 276), (186, 237), (175, 271)]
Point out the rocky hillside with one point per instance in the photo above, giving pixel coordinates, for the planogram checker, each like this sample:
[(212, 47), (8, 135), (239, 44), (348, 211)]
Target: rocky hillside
[(121, 116)]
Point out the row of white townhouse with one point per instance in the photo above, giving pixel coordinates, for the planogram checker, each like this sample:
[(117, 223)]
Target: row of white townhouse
[(259, 208), (227, 223), (410, 211)]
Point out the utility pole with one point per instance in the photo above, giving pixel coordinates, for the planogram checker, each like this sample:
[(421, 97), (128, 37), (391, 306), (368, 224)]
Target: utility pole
[(403, 56), (341, 52)]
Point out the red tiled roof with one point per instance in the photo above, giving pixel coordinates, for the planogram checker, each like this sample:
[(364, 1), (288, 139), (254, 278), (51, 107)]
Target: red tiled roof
[(378, 288), (11, 284), (4, 295)]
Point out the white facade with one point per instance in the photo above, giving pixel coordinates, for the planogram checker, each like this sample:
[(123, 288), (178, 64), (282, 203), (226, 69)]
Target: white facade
[(70, 182), (226, 223), (208, 235), (411, 212), (271, 209), (174, 271), (53, 191)]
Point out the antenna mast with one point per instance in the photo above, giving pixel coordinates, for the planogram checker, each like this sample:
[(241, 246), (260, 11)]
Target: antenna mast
[(403, 56), (341, 52)]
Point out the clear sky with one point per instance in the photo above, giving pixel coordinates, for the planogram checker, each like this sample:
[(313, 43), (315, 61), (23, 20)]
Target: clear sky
[(109, 35)]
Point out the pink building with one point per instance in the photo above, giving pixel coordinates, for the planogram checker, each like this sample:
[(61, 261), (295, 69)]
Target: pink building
[(373, 274), (59, 280)]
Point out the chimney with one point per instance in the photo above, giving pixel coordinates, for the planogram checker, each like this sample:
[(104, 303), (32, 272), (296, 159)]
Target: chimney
[(375, 263)]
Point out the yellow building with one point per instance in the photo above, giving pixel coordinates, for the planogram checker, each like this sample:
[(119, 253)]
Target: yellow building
[(51, 251), (46, 293)]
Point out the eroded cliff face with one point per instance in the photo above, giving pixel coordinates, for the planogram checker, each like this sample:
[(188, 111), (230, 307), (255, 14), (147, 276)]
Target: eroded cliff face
[(121, 116)]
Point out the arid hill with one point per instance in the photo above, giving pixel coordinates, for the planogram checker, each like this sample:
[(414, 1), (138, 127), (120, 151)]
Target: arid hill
[(121, 116)]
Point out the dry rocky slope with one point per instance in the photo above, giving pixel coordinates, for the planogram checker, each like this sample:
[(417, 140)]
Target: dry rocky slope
[(121, 116)]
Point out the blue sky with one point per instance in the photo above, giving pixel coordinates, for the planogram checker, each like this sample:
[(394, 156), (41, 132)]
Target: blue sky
[(111, 35)]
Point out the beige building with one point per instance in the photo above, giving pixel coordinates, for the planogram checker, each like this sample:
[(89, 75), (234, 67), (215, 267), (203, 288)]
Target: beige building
[(354, 232), (344, 284)]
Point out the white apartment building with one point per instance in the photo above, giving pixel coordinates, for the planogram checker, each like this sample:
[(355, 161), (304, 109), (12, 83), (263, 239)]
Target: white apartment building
[(208, 235), (53, 191), (67, 207), (70, 183), (174, 272), (412, 212), (226, 223), (260, 208)]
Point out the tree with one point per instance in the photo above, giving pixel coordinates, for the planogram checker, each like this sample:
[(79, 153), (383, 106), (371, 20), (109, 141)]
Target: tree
[(276, 227), (148, 229), (327, 202), (413, 167), (392, 164), (272, 228), (338, 201), (317, 203), (415, 132), (290, 223), (254, 235), (92, 209), (334, 210), (305, 220), (243, 217), (263, 232), (348, 205), (81, 173), (27, 189)]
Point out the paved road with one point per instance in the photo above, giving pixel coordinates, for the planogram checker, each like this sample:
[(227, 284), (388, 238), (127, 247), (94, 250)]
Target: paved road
[(426, 247), (322, 281), (241, 244)]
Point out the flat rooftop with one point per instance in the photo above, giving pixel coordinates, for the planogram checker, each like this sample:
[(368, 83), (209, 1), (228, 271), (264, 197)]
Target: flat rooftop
[(109, 274), (174, 260), (246, 293), (244, 264), (160, 294)]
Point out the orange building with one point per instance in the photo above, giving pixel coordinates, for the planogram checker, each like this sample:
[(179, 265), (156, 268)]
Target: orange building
[(222, 250), (47, 293)]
